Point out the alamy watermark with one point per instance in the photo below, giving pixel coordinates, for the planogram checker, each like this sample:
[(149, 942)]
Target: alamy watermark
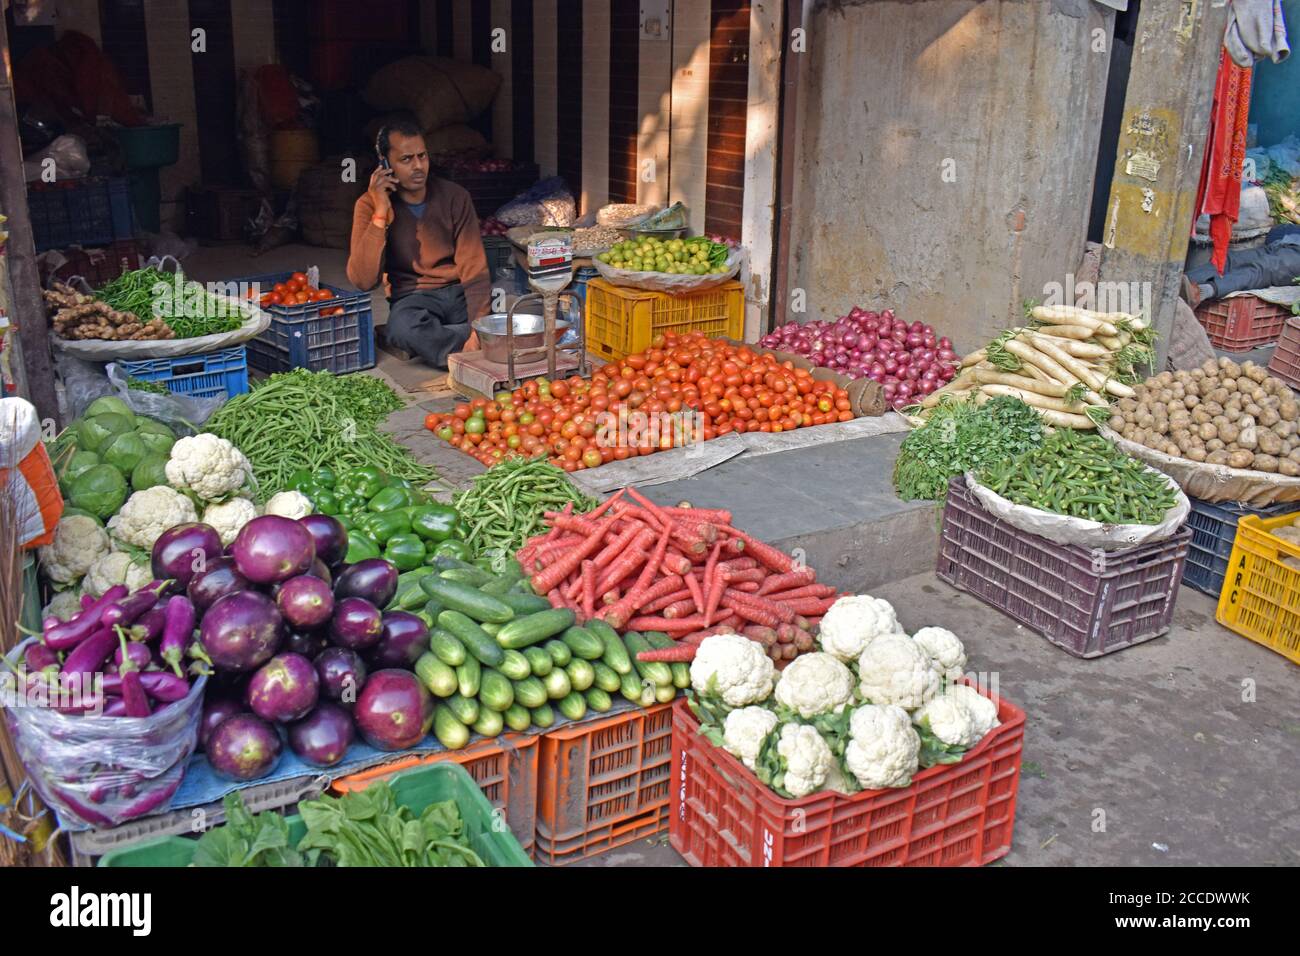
[(1132, 298)]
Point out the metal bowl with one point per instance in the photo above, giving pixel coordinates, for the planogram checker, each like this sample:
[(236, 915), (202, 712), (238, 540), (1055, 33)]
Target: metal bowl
[(530, 333)]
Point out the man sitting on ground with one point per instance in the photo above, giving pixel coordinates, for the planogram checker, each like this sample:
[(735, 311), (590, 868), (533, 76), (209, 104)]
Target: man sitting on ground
[(422, 231), (1276, 263)]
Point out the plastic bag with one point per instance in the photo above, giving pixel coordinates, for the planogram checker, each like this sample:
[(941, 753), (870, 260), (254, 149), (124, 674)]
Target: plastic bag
[(1213, 483), (667, 282), (70, 159), (178, 411), (1067, 530), (547, 203), (104, 771)]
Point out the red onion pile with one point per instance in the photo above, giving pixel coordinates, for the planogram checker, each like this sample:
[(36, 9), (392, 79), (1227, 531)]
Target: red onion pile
[(492, 226), (907, 360)]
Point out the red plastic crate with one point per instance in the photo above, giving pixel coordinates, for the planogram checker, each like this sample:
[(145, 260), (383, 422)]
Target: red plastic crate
[(1241, 323), (602, 784), (950, 815), (1087, 603), (1285, 363), (504, 767)]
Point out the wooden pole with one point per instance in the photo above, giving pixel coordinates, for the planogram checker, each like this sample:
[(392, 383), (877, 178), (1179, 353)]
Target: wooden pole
[(28, 308), (1152, 201)]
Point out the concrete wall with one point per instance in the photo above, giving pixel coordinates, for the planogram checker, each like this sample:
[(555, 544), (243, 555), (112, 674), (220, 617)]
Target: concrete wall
[(1275, 96), (946, 157)]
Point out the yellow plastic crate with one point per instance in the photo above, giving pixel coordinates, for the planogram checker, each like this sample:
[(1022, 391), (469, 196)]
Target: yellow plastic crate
[(623, 321), (1261, 595)]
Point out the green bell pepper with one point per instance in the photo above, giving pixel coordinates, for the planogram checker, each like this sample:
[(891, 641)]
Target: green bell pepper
[(367, 481), (351, 504), (436, 523), (360, 547), (346, 521), (404, 551), (325, 501), (454, 548), (324, 477), (388, 499), (299, 480), (382, 527)]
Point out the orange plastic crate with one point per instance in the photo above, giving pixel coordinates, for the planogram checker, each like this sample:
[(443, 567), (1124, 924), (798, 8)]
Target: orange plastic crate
[(951, 815), (1285, 361), (603, 783), (505, 769), (1260, 599), (1241, 323), (623, 321)]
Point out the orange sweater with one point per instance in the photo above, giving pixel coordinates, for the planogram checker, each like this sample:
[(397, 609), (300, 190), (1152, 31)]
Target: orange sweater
[(440, 249)]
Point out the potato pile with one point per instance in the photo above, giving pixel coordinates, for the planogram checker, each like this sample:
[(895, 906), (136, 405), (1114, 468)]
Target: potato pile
[(80, 316), (1289, 533), (1221, 413)]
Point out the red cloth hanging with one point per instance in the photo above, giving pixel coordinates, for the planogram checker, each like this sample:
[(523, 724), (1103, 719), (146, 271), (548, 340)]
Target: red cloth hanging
[(1219, 191)]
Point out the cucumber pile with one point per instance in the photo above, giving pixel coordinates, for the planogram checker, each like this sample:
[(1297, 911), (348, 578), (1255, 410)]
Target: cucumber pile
[(501, 658)]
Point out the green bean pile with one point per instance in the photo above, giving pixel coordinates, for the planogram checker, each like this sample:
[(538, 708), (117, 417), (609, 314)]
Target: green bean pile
[(504, 506), (134, 292), (299, 420), (140, 385), (1082, 475)]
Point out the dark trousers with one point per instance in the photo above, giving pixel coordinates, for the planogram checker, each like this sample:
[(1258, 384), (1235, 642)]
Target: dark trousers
[(431, 323), (1270, 265)]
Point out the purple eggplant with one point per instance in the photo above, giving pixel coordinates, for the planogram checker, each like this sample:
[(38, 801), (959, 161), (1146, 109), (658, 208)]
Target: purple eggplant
[(178, 632), (342, 674), (284, 689), (323, 736), (50, 623), (394, 711), (87, 601), (148, 627), (155, 799), (357, 624), (273, 548), (165, 688), (90, 655), (185, 550), (220, 578), (319, 569), (133, 695), (69, 634), (242, 631), (38, 657), (139, 655), (124, 612), (306, 602), (310, 644), (215, 710), (329, 535), (402, 640), (373, 579), (243, 747)]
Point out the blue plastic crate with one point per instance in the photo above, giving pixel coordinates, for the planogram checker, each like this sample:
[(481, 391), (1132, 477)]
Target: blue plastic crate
[(212, 375), (581, 277), (1214, 527), (300, 337), (90, 212)]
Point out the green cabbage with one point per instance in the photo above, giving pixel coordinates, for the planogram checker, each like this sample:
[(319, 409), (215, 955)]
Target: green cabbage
[(101, 490)]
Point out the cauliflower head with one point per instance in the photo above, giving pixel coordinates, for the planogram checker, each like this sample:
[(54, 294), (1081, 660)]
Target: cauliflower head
[(807, 759), (883, 747), (855, 621), (63, 605), (289, 504), (147, 514), (733, 669), (895, 670), (117, 567), (209, 466), (744, 731), (944, 649), (948, 720), (78, 542), (815, 684), (983, 711), (229, 517)]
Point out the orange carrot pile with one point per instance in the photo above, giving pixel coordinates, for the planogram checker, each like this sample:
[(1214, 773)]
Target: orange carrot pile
[(686, 572)]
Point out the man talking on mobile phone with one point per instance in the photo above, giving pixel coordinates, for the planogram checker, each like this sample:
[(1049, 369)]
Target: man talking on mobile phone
[(422, 231)]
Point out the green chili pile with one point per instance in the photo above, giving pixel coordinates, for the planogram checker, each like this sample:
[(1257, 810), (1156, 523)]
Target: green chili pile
[(140, 385), (504, 506), (304, 420), (191, 313), (1082, 475)]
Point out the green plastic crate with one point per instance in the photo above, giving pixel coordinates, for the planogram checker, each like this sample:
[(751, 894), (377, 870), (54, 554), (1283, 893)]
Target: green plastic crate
[(415, 789)]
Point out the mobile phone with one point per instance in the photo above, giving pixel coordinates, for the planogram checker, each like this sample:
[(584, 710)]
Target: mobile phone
[(379, 151)]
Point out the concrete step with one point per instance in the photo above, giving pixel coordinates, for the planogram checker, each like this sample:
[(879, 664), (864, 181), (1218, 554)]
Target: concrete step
[(836, 502)]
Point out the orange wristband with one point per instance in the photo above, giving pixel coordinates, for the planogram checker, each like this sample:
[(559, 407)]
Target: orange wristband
[(380, 221)]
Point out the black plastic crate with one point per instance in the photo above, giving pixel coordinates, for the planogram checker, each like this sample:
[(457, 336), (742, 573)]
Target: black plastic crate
[(1086, 602), (300, 336), (500, 253), (1214, 528), (93, 211)]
